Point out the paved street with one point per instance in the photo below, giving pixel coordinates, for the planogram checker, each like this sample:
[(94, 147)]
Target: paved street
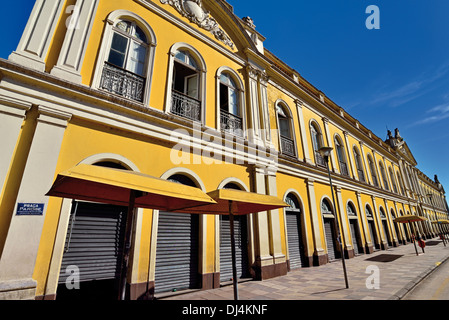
[(433, 287), (383, 275)]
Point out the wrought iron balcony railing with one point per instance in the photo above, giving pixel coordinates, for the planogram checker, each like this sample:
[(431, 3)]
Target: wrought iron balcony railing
[(319, 159), (375, 182), (122, 82), (361, 175), (344, 168), (288, 146), (185, 106), (231, 123)]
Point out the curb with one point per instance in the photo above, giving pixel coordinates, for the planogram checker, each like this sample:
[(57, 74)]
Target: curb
[(413, 283)]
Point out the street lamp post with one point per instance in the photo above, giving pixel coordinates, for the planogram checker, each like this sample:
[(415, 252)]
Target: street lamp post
[(429, 195), (325, 153)]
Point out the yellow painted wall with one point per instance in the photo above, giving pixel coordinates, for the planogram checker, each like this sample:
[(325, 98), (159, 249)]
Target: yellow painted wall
[(84, 139), (287, 183)]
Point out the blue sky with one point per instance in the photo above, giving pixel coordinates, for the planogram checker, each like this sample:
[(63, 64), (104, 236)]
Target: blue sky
[(393, 77)]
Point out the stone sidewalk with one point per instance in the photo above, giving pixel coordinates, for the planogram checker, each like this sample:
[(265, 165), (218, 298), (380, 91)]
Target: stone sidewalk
[(400, 269)]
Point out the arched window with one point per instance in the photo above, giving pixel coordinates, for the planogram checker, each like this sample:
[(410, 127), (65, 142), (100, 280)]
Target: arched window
[(373, 171), (382, 213), (359, 164), (401, 183), (293, 202), (186, 83), (285, 125), (340, 149), (351, 210), (384, 176), (125, 69), (317, 143), (326, 207), (368, 212), (393, 181), (230, 102)]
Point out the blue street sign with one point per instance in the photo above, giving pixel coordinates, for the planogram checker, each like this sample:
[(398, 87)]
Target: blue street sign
[(30, 209)]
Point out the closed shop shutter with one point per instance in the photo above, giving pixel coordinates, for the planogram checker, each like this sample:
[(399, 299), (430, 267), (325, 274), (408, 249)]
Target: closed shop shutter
[(295, 248), (94, 241), (354, 235), (386, 233), (372, 234), (241, 248), (329, 233), (399, 236), (177, 252)]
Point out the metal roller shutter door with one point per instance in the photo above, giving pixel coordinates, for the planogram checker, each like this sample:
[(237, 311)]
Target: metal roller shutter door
[(328, 228), (386, 232), (241, 248), (177, 252), (354, 235), (294, 240), (371, 232), (94, 241)]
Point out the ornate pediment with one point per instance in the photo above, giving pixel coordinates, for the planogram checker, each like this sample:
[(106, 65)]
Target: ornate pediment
[(194, 11), (398, 143)]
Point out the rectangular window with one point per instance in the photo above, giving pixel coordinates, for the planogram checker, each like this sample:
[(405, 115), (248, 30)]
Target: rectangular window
[(119, 46)]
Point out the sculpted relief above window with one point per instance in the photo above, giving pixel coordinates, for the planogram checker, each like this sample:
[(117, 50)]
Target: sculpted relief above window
[(193, 10)]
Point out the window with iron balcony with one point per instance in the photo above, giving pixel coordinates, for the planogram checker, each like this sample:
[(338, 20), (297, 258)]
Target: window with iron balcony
[(124, 69)]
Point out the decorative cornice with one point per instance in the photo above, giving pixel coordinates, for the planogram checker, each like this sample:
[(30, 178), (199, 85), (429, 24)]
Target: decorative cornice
[(193, 10)]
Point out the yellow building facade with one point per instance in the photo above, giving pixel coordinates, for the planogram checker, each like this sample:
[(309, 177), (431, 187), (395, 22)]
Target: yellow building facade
[(183, 91)]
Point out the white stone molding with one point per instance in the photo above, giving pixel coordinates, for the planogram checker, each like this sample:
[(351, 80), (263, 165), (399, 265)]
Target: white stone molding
[(194, 11)]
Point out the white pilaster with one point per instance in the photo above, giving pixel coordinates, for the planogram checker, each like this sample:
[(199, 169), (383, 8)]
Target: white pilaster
[(261, 232), (33, 46), (12, 115), (75, 42), (343, 220), (274, 222), (20, 251), (316, 221)]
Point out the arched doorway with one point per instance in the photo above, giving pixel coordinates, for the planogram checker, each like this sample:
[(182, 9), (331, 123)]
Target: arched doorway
[(93, 250), (372, 228), (383, 218), (396, 228), (296, 254), (354, 229), (241, 244), (177, 248), (329, 231)]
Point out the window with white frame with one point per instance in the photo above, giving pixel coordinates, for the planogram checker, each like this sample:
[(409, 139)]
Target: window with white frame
[(287, 142), (231, 119), (393, 181), (340, 149), (186, 86), (372, 168), (359, 164), (384, 176), (124, 70), (317, 143)]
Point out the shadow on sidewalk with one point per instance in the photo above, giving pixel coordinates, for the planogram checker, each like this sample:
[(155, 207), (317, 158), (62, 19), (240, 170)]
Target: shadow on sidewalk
[(385, 257)]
